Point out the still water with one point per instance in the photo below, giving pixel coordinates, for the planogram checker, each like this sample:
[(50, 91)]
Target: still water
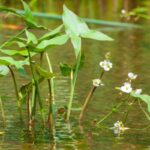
[(130, 53)]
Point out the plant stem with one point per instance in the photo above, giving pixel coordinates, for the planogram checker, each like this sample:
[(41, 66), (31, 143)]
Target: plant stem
[(109, 114), (89, 96), (37, 88), (127, 112), (2, 110), (72, 85), (86, 103), (17, 92), (50, 114), (141, 107), (52, 86)]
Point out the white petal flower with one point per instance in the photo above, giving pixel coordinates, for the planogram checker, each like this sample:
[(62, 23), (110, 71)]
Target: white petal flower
[(118, 127), (106, 65), (126, 88), (97, 82), (138, 91), (132, 76)]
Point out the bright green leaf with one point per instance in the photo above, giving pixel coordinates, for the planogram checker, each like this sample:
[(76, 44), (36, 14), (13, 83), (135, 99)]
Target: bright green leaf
[(59, 40), (96, 35), (14, 52), (31, 37)]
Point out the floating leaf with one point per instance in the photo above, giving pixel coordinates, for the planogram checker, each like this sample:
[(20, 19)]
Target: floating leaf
[(4, 70), (65, 69), (59, 40)]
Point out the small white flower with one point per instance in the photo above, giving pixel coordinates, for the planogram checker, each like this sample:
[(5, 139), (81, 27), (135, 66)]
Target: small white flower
[(106, 65), (123, 11), (138, 91), (132, 76), (97, 82), (126, 88), (118, 127)]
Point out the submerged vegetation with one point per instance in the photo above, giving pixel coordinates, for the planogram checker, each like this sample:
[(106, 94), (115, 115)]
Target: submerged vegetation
[(32, 53)]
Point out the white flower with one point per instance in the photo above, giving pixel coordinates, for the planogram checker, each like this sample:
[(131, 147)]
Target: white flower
[(97, 82), (132, 76), (118, 127), (106, 65), (126, 88), (138, 91)]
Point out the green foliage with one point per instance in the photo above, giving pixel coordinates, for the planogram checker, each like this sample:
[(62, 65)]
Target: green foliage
[(31, 38), (14, 52), (65, 69), (144, 97), (4, 70)]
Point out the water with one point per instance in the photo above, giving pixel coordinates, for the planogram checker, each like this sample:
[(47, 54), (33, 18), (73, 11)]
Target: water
[(130, 52)]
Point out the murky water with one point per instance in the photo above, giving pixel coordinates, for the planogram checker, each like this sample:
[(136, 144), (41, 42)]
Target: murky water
[(130, 52)]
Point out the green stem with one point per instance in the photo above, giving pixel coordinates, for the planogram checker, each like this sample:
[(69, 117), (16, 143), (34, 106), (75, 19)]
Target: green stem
[(17, 92), (72, 85), (37, 88), (141, 107), (109, 114), (2, 110), (52, 85), (127, 112)]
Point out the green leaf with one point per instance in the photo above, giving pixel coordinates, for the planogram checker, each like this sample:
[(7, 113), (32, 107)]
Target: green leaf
[(43, 73), (14, 52), (73, 24), (96, 35), (10, 61), (4, 70), (76, 41), (31, 37), (143, 97), (59, 40), (52, 33), (65, 69), (27, 12)]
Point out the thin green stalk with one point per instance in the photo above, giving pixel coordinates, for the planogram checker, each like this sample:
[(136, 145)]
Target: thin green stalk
[(72, 85), (50, 114), (86, 103), (52, 85), (109, 114), (71, 96), (17, 92), (2, 110), (37, 88), (11, 39), (141, 107), (127, 112)]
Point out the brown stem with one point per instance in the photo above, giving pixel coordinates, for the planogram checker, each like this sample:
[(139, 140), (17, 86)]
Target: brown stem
[(86, 103)]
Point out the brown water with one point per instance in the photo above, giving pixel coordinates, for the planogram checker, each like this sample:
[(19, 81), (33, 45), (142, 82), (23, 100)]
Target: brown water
[(130, 52)]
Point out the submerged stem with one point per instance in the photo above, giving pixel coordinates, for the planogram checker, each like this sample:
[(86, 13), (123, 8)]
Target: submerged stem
[(2, 110), (16, 91), (72, 85)]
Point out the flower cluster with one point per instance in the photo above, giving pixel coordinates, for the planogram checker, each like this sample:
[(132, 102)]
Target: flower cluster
[(119, 127), (127, 88), (97, 82), (106, 65)]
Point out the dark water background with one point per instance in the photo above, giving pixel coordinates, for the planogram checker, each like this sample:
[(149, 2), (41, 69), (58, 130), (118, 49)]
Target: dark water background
[(130, 53)]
